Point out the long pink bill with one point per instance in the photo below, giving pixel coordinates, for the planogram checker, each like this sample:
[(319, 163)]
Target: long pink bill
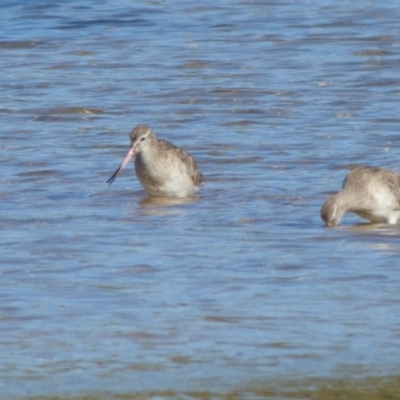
[(129, 156)]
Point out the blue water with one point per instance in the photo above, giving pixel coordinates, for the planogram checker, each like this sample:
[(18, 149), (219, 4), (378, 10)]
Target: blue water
[(275, 100)]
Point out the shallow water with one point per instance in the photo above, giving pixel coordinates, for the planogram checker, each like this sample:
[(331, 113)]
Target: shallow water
[(101, 293)]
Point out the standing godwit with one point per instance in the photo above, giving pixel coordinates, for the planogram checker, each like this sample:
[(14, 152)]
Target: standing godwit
[(163, 169)]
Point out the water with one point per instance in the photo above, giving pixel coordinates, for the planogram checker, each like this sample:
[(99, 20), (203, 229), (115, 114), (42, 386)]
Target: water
[(245, 287)]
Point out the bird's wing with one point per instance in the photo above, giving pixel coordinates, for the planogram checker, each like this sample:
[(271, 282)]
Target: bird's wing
[(366, 175), (392, 179), (190, 163)]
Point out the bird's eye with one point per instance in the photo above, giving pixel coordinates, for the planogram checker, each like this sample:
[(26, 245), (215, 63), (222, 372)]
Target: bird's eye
[(142, 139)]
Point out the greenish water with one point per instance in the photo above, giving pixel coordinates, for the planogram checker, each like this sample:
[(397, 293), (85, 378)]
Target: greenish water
[(371, 388)]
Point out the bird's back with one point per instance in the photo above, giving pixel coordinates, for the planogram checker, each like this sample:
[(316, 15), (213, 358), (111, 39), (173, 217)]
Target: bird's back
[(373, 180)]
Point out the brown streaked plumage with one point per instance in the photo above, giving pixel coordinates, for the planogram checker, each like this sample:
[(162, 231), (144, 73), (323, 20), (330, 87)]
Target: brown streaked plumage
[(163, 169), (372, 193)]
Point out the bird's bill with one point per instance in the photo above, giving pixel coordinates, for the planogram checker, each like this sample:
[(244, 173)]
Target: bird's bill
[(129, 156)]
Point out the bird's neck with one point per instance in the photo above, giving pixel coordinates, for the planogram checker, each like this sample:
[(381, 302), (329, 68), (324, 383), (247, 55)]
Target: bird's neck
[(347, 200)]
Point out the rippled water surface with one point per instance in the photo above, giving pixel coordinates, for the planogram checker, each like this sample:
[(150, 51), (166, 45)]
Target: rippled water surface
[(102, 293)]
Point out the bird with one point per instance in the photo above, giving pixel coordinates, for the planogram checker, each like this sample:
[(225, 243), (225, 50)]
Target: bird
[(372, 193), (163, 169)]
